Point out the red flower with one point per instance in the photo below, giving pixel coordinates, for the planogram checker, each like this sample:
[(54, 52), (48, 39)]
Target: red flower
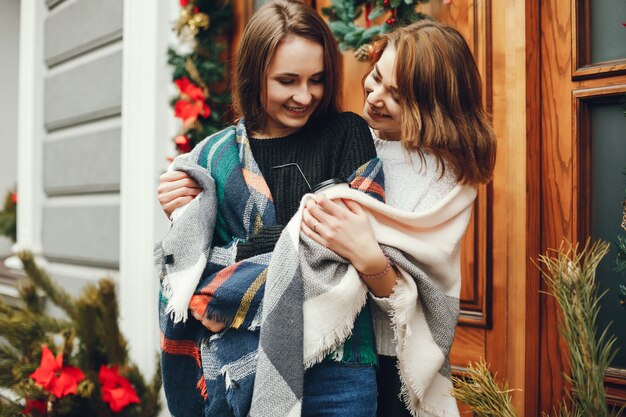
[(184, 3), (116, 390), (14, 197), (183, 143), (59, 380), (189, 89), (189, 111), (39, 407), (191, 104)]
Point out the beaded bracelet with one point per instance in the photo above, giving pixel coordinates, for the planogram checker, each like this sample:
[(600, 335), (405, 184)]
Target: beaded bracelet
[(380, 274)]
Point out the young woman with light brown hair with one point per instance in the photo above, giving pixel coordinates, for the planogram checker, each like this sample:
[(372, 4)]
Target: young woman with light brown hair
[(423, 102), (286, 94)]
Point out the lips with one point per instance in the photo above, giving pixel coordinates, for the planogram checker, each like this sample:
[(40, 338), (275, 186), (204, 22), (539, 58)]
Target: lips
[(297, 110), (375, 113)]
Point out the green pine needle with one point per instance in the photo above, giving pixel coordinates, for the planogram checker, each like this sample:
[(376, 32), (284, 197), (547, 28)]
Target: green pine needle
[(480, 391), (569, 273)]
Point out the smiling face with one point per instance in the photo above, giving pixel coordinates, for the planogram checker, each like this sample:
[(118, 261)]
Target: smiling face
[(382, 108), (294, 86)]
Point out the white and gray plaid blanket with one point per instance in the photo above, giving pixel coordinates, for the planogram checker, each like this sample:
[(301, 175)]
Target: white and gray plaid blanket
[(312, 297)]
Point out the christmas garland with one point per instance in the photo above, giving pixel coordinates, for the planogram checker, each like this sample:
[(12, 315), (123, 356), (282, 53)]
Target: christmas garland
[(75, 365), (200, 72), (343, 13)]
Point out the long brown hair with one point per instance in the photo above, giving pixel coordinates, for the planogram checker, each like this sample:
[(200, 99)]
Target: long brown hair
[(262, 36), (441, 99)]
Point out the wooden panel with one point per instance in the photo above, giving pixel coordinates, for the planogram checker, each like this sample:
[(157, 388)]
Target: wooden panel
[(512, 344), (86, 163), (84, 93), (83, 26), (558, 212)]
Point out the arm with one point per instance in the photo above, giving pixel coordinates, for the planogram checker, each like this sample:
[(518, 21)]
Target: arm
[(346, 231), (176, 189)]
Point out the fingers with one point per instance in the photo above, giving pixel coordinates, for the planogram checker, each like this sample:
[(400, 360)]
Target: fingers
[(168, 208), (331, 207), (211, 325), (312, 234), (353, 206), (166, 197), (174, 184)]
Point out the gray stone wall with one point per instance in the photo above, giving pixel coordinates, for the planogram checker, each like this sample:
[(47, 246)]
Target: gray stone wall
[(9, 53), (82, 92)]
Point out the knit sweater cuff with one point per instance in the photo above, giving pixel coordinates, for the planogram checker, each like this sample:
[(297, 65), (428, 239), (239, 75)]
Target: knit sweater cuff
[(262, 242)]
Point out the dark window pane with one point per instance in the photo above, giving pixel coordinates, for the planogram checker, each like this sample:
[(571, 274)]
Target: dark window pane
[(608, 160), (608, 35)]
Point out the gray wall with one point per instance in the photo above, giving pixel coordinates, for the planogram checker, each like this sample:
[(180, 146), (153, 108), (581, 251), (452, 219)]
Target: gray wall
[(81, 151), (9, 51)]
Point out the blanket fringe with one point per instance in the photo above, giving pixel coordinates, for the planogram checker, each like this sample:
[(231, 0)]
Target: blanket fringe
[(325, 345)]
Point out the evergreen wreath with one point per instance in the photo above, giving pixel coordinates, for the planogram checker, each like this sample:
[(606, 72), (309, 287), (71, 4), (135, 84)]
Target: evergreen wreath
[(200, 72), (343, 13)]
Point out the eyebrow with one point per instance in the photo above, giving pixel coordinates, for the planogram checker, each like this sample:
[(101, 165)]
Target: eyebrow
[(293, 74), (391, 88)]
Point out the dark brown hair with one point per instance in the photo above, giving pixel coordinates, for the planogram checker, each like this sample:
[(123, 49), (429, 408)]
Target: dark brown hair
[(441, 99), (262, 36)]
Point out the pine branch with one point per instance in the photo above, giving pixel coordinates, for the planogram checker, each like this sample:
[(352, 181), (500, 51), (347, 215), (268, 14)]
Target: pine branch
[(570, 276), (480, 391), (42, 281)]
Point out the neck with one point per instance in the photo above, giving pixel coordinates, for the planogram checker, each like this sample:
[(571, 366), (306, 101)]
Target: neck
[(380, 134), (272, 133)]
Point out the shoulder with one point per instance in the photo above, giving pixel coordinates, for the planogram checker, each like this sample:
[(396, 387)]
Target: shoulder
[(344, 127), (348, 120), (202, 151)]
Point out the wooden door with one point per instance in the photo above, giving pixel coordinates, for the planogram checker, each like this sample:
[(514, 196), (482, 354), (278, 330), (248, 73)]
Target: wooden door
[(583, 134)]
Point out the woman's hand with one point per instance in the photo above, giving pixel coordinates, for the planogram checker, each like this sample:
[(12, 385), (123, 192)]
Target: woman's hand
[(345, 229), (176, 189), (212, 325), (342, 228)]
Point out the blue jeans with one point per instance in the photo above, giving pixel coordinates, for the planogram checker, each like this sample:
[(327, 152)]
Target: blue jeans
[(335, 389)]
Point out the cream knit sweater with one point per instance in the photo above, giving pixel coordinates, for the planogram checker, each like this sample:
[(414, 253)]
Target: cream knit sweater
[(411, 185)]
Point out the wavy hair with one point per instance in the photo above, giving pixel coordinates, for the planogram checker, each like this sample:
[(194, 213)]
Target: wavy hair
[(263, 34), (441, 99)]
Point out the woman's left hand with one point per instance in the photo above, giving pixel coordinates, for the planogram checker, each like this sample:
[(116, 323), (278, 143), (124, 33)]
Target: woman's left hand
[(344, 229)]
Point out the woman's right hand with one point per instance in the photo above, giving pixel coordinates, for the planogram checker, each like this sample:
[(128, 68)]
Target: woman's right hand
[(176, 189)]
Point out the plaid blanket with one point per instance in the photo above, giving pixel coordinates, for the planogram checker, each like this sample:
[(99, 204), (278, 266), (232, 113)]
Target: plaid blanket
[(425, 248), (310, 295), (234, 204), (204, 373)]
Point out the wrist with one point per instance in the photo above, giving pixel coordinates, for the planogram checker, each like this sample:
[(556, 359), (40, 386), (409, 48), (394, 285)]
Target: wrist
[(372, 262), (377, 275)]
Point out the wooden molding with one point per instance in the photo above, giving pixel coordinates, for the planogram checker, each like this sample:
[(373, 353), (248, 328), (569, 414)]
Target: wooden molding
[(582, 67), (582, 99)]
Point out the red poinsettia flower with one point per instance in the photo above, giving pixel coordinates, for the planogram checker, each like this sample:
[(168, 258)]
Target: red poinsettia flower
[(36, 408), (57, 379), (189, 89), (116, 390), (189, 111), (183, 143)]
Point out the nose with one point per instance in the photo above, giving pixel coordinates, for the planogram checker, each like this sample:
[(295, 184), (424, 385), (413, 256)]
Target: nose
[(374, 97), (303, 96)]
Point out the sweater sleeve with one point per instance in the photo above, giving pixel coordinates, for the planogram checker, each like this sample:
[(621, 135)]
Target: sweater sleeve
[(262, 242), (358, 145)]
